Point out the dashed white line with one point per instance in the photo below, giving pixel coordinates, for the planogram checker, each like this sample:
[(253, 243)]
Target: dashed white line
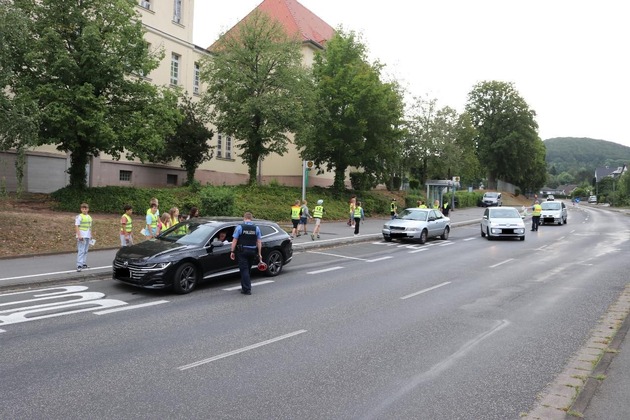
[(426, 290), (470, 239), (258, 283), (380, 259), (126, 308), (241, 350), (337, 255), (502, 262), (324, 270)]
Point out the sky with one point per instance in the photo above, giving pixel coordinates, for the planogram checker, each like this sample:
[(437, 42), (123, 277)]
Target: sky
[(568, 59)]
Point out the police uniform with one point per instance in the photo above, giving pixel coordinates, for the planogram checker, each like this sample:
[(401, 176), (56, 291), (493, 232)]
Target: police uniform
[(247, 235)]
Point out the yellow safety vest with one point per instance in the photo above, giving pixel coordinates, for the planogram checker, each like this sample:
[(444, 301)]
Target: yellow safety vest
[(128, 225), (357, 212), (86, 222), (392, 207), (318, 212), (537, 210), (295, 212), (154, 220)]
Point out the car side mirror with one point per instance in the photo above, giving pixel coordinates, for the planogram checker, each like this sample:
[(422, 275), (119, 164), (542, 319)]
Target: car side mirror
[(431, 219)]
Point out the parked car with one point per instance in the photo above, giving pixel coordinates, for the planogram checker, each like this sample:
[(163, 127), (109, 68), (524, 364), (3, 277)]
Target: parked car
[(553, 212), (417, 224), (190, 252), (491, 199), (592, 199), (550, 197), (504, 222)]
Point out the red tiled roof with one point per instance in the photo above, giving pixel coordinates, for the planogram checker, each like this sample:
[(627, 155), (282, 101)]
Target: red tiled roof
[(296, 19)]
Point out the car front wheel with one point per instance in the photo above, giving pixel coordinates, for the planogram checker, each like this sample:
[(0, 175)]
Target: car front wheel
[(275, 262), (185, 279), (483, 234), (423, 236), (387, 238), (446, 232)]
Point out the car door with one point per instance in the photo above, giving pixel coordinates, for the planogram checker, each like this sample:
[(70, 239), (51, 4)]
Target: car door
[(217, 260), (436, 223)]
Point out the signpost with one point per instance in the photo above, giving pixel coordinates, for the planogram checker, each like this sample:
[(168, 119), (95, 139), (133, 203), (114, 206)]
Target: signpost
[(307, 165)]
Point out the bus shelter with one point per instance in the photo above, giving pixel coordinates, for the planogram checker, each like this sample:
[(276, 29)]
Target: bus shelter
[(436, 188)]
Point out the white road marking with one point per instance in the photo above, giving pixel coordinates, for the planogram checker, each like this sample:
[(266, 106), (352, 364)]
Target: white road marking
[(126, 308), (418, 250), (257, 283), (380, 259), (471, 239), (426, 290), (336, 255), (446, 244), (324, 270), (241, 350), (52, 273), (501, 263)]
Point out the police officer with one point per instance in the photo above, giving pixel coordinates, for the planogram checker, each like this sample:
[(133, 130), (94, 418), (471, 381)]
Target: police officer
[(246, 241), (536, 211), (393, 209)]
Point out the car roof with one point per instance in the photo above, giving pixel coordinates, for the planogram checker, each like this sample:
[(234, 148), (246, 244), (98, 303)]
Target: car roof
[(227, 220)]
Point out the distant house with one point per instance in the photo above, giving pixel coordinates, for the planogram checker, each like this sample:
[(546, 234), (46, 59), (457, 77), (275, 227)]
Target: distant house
[(606, 171)]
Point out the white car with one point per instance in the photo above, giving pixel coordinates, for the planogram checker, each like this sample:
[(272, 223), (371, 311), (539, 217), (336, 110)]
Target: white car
[(491, 199), (417, 224), (502, 222), (553, 212), (592, 199)]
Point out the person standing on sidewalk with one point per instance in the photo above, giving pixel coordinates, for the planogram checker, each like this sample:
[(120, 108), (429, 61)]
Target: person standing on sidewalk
[(358, 216), (446, 208), (126, 227), (83, 232), (246, 241), (393, 209), (536, 211), (353, 205), (151, 221), (295, 218), (304, 216), (318, 213)]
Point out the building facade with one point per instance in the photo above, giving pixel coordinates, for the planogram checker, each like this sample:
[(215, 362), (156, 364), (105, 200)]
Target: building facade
[(169, 28)]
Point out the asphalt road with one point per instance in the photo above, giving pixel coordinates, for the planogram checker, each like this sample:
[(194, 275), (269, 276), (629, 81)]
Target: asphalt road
[(459, 329)]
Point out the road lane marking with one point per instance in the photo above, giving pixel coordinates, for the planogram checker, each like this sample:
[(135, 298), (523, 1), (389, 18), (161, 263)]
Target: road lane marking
[(380, 259), (52, 273), (426, 290), (126, 308), (338, 256), (257, 283), (501, 263), (241, 350), (325, 270), (471, 239), (418, 250)]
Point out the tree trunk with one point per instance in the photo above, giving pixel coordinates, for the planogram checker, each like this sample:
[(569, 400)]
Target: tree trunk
[(339, 183), (77, 172)]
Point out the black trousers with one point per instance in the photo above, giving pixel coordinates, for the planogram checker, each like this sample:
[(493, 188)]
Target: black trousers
[(245, 260), (535, 222), (357, 222)]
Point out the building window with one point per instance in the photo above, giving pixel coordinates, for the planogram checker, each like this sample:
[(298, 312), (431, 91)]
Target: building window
[(220, 146), (177, 11), (175, 58), (124, 176), (146, 4), (171, 179), (228, 147), (196, 77)]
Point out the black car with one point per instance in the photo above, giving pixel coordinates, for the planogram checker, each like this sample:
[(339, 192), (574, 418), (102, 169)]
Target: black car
[(191, 251)]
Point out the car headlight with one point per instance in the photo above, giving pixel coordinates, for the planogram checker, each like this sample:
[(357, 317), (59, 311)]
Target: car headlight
[(385, 226), (161, 265), (412, 229)]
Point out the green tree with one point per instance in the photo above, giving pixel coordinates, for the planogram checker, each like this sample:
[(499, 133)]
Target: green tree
[(356, 119), (507, 140), (79, 69), (257, 88), (189, 143)]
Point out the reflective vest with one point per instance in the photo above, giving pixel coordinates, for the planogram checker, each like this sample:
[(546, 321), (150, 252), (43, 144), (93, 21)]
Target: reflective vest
[(128, 227), (537, 210), (295, 212), (392, 207), (445, 205), (86, 222), (423, 206), (357, 212), (154, 220), (318, 212), (248, 237)]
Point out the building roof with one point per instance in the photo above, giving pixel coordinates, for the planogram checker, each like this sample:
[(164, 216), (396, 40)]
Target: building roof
[(296, 20), (603, 172)]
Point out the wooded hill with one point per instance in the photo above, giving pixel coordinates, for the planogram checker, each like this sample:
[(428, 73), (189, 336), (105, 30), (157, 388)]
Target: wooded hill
[(572, 154)]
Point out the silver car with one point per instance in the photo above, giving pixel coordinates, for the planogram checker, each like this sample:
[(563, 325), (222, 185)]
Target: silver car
[(504, 222), (553, 212), (417, 224)]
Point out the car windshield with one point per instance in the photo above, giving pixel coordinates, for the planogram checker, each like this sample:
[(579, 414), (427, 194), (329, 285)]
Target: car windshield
[(491, 195), (505, 213), (550, 206), (188, 233), (414, 214)]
